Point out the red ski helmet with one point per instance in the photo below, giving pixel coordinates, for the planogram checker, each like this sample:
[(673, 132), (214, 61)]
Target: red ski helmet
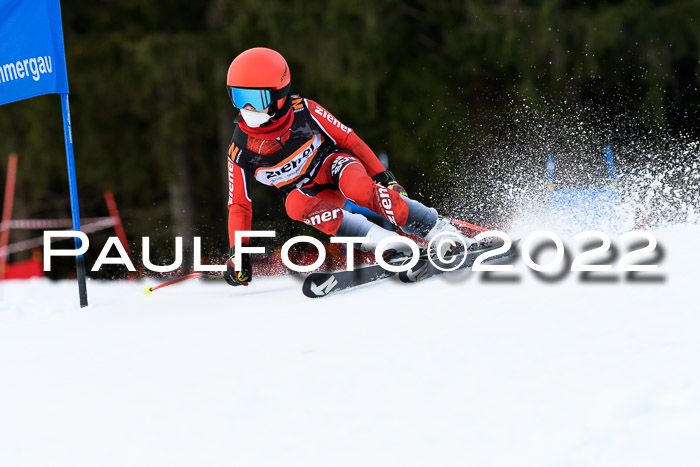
[(259, 77)]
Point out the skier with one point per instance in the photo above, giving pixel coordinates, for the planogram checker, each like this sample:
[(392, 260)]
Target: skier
[(316, 162)]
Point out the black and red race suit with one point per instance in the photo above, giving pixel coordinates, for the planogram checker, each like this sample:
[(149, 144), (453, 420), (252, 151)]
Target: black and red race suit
[(315, 161)]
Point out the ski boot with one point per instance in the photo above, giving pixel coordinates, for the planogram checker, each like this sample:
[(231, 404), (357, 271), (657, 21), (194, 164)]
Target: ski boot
[(449, 240), (394, 252)]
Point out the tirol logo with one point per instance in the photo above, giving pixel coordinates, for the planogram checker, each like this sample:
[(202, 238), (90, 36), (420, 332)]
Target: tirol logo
[(385, 202), (322, 217), (339, 163)]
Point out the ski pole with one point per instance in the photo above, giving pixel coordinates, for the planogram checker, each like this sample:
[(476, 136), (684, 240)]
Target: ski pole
[(149, 289)]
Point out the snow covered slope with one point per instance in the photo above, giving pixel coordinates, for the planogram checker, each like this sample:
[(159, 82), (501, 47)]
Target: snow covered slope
[(449, 372)]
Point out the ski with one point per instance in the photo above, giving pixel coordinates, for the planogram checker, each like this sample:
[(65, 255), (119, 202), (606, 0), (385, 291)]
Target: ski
[(425, 268), (320, 284)]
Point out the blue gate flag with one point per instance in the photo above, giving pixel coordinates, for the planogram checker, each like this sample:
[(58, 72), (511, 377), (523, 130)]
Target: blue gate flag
[(32, 63), (32, 55)]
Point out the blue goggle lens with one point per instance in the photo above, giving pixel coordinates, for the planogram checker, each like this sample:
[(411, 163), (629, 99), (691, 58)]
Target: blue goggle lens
[(258, 98)]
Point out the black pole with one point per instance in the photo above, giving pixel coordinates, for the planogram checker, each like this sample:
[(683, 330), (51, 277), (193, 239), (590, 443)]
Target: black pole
[(82, 288), (73, 187)]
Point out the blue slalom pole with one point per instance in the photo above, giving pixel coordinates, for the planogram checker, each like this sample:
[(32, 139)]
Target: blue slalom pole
[(610, 163), (550, 171), (73, 188), (354, 208)]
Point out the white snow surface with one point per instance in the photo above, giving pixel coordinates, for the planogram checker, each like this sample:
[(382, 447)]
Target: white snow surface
[(454, 371)]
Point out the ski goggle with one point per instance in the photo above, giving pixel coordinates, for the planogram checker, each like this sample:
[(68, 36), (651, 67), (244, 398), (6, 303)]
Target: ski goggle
[(260, 99)]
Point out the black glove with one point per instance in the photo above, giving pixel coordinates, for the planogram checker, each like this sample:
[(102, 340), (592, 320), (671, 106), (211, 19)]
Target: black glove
[(388, 180), (241, 274)]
